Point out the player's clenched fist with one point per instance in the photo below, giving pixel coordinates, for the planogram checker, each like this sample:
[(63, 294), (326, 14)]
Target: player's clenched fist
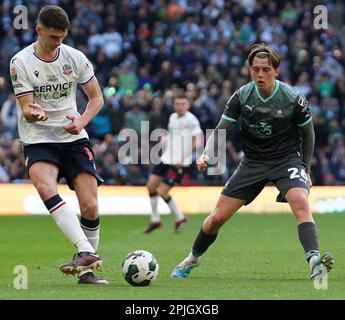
[(35, 113), (202, 162)]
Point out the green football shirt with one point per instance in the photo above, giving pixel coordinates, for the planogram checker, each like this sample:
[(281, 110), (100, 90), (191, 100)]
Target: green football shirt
[(270, 128)]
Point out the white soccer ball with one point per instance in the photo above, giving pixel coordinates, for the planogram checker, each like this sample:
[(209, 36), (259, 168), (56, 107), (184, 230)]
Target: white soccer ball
[(140, 268)]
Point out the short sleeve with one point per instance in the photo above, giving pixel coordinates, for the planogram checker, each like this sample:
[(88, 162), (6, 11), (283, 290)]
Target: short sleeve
[(20, 81), (85, 69), (232, 109), (302, 113), (195, 126)]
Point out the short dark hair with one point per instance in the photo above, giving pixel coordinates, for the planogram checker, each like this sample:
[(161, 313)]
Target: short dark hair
[(182, 95), (54, 17), (263, 50)]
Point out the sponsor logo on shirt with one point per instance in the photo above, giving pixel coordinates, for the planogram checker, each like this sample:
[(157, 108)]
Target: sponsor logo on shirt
[(250, 108), (13, 73), (53, 91), (303, 103), (263, 127)]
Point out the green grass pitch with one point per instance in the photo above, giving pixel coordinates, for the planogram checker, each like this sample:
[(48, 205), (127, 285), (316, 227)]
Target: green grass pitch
[(254, 257)]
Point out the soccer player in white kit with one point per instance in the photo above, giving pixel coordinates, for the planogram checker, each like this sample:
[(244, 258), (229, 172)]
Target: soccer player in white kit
[(45, 76), (184, 133)]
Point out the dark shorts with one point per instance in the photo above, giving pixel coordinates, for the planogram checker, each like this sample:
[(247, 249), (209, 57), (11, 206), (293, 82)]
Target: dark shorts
[(71, 158), (251, 176), (171, 175)]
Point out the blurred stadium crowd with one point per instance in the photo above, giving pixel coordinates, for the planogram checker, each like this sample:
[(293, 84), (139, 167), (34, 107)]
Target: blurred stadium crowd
[(144, 50)]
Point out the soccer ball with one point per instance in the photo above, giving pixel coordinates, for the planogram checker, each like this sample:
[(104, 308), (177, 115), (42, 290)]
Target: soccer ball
[(140, 268)]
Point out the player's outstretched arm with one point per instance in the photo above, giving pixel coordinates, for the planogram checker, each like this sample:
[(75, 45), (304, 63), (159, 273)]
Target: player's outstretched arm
[(32, 112), (214, 143), (95, 96)]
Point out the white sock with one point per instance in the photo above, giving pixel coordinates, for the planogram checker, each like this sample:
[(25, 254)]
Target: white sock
[(69, 224), (91, 230), (174, 209), (191, 261), (92, 235), (192, 258), (313, 259), (155, 217)]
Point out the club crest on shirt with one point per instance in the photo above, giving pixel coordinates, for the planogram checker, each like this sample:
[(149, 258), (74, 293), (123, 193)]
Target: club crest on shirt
[(66, 69), (280, 113)]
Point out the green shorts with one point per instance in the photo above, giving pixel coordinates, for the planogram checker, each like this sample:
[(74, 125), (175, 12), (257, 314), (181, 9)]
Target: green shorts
[(251, 176)]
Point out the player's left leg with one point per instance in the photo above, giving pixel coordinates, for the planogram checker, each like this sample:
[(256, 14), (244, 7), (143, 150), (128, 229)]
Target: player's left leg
[(164, 192), (85, 186), (298, 201), (293, 183), (173, 178), (81, 175)]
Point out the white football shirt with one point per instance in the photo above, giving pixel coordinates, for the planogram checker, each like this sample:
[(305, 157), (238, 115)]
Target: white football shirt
[(179, 140), (53, 84)]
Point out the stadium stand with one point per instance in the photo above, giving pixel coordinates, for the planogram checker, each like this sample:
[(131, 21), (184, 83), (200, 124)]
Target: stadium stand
[(143, 51)]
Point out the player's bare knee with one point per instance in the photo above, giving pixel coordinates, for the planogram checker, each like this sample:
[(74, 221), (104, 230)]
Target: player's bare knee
[(89, 210), (302, 212), (216, 221), (300, 203), (151, 188), (45, 190)]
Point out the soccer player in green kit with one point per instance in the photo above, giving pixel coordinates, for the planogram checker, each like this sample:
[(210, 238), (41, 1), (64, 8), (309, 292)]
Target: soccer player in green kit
[(277, 136)]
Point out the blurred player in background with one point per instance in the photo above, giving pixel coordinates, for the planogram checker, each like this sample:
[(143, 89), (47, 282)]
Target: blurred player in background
[(45, 76), (183, 127), (277, 135)]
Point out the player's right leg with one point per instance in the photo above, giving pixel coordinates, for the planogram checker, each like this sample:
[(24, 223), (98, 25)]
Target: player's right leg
[(242, 188), (152, 186), (224, 210)]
